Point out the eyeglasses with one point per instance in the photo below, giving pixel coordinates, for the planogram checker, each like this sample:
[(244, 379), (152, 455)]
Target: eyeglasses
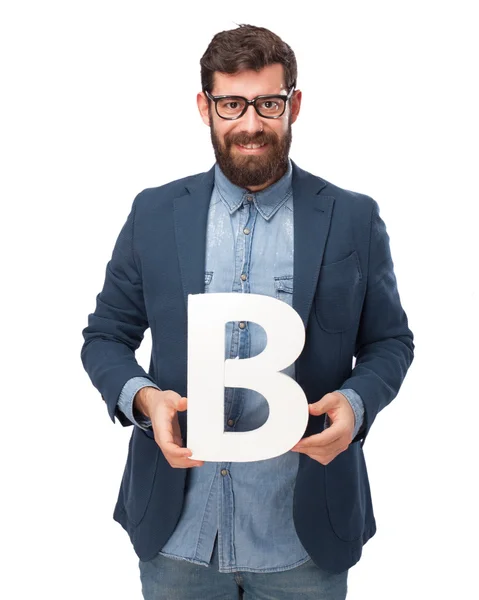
[(234, 107)]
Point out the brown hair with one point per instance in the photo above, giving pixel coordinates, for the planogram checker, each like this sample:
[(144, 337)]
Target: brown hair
[(247, 47)]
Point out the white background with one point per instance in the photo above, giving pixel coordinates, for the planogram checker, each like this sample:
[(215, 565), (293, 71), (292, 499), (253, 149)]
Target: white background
[(99, 102)]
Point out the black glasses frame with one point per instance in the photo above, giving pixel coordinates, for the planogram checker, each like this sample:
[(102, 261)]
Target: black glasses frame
[(253, 102)]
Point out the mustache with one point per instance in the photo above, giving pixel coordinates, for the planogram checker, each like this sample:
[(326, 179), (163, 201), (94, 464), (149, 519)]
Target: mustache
[(244, 140)]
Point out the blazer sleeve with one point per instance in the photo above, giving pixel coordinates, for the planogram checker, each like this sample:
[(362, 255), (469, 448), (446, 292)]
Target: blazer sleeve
[(116, 328), (384, 346)]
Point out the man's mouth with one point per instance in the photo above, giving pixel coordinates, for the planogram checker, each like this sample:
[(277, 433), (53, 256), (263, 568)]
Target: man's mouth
[(251, 148)]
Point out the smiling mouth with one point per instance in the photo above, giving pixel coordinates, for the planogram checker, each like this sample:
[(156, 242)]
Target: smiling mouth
[(252, 146), (251, 149)]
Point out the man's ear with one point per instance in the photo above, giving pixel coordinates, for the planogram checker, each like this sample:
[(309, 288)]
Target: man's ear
[(295, 105), (202, 102)]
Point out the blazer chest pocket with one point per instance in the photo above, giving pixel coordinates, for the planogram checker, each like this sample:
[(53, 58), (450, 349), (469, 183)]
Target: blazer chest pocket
[(338, 294)]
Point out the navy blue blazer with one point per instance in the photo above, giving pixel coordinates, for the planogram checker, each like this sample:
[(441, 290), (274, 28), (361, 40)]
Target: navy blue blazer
[(346, 293)]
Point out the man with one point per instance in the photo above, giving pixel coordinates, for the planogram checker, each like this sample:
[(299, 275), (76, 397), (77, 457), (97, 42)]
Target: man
[(291, 526)]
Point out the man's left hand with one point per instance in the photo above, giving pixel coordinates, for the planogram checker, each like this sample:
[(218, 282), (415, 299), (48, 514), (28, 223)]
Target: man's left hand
[(325, 446)]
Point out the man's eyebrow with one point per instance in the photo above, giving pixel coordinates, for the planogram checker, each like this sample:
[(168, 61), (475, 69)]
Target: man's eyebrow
[(257, 96)]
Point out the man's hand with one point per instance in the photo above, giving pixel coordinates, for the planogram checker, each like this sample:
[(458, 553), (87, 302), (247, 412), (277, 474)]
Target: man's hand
[(326, 445), (161, 407)]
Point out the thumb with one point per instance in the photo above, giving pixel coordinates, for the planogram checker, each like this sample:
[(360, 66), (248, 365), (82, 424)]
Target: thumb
[(181, 404), (326, 403)]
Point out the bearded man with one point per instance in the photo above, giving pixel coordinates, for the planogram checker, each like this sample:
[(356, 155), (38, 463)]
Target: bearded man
[(289, 527)]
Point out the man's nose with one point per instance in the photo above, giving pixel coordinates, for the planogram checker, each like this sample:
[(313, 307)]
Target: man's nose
[(251, 121)]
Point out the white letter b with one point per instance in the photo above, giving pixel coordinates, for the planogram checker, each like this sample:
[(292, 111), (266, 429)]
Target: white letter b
[(209, 374)]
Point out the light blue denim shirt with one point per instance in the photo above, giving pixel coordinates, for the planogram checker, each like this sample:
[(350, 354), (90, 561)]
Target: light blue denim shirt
[(249, 249)]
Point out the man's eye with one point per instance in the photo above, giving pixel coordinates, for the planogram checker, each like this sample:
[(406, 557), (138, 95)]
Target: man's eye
[(270, 104), (230, 106)]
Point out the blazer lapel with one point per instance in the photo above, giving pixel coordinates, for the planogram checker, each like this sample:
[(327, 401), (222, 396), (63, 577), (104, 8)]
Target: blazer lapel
[(190, 218), (312, 218)]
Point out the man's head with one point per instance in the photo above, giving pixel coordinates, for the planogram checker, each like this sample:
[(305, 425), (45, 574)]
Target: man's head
[(249, 61)]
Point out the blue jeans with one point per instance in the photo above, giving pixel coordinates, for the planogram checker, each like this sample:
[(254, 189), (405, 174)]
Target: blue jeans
[(165, 578)]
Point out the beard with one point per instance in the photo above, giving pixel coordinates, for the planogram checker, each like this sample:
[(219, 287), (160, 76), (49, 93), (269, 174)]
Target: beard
[(245, 171)]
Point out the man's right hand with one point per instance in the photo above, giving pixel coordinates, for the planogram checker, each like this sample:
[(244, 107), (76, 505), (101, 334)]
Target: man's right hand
[(161, 407)]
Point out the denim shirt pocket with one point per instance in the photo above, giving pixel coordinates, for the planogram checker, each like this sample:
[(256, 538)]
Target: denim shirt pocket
[(283, 287)]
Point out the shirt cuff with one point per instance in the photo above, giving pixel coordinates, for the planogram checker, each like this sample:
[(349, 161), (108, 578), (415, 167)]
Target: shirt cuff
[(357, 405), (125, 401)]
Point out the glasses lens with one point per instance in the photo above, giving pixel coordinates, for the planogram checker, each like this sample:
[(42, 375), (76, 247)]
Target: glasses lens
[(230, 107), (270, 107)]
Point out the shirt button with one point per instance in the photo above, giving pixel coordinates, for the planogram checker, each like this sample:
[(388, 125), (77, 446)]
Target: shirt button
[(231, 422), (244, 277), (224, 472), (242, 325), (246, 231), (249, 198)]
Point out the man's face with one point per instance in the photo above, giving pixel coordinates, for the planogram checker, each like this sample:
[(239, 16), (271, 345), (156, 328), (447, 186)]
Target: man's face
[(253, 169)]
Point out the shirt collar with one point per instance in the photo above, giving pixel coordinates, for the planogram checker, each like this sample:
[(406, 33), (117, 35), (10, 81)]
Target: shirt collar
[(267, 201)]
